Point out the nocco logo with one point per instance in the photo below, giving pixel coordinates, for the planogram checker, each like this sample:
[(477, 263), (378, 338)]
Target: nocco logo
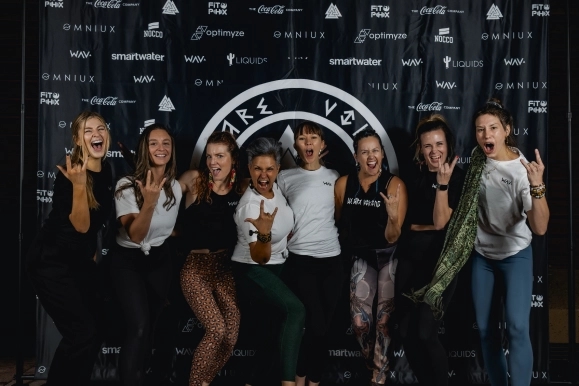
[(244, 60), (381, 11), (202, 30), (537, 107), (537, 301), (152, 31), (274, 9), (96, 28), (49, 98), (540, 9), (508, 35), (494, 13), (146, 124), (299, 35), (448, 62), (166, 104), (333, 12), (54, 4), (367, 33), (521, 85), (169, 8), (442, 36), (216, 8), (257, 109), (69, 78)]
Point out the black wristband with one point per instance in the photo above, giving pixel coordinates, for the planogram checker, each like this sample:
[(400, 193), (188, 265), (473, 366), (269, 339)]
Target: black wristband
[(441, 187)]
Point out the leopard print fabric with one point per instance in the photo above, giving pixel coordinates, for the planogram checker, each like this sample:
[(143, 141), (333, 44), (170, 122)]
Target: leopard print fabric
[(208, 286)]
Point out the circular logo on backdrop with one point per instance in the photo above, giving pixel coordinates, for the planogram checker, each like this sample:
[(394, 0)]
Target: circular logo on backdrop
[(272, 109)]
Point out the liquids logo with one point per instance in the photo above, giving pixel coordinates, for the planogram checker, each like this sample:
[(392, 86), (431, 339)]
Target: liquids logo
[(367, 33), (521, 85), (442, 36), (537, 107), (355, 62), (106, 101), (202, 30), (448, 62), (333, 12), (494, 13), (299, 35), (256, 112), (68, 78), (139, 57), (80, 54), (54, 4), (436, 10), (217, 8), (274, 10), (380, 11), (540, 9), (169, 8), (232, 59), (152, 31), (49, 98), (462, 354), (94, 28), (166, 104)]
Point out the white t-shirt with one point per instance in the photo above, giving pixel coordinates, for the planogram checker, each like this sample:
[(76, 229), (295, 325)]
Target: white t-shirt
[(162, 223), (504, 198), (310, 194), (283, 223)]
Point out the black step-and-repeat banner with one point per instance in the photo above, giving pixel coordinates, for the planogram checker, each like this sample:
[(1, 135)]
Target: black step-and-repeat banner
[(257, 67)]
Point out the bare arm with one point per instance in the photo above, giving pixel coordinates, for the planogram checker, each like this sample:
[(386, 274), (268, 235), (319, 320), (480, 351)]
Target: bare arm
[(80, 213), (442, 211), (396, 202), (339, 191), (260, 250), (539, 214)]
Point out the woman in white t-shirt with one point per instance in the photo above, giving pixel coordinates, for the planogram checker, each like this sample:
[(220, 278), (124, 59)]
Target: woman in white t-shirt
[(511, 192), (264, 220), (147, 203), (314, 269)]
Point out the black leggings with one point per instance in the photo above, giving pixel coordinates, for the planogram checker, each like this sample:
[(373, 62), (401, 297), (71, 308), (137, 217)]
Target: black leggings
[(418, 328), (317, 282), (141, 283)]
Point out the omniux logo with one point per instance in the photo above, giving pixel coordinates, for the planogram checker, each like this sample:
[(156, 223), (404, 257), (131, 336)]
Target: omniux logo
[(69, 78), (202, 30), (138, 57), (152, 32), (537, 107), (217, 8), (355, 62), (367, 33), (514, 62), (381, 11), (169, 8), (494, 13), (80, 54), (244, 60), (49, 98), (299, 35), (274, 9), (445, 85), (540, 9), (96, 28), (442, 36), (144, 79), (412, 62), (522, 85), (194, 59), (333, 12), (54, 4), (508, 35)]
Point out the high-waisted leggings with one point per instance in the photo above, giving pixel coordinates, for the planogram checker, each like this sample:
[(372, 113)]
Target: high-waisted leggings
[(516, 273), (208, 286)]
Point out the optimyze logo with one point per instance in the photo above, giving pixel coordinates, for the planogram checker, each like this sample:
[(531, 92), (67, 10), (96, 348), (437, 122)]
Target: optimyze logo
[(537, 107), (166, 104), (333, 12), (366, 33), (217, 8), (494, 13), (202, 30), (381, 11), (169, 8)]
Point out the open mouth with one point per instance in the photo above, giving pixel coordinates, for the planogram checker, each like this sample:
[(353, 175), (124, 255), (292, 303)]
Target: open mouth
[(215, 172), (309, 152), (372, 165), (263, 183), (97, 145), (488, 147)]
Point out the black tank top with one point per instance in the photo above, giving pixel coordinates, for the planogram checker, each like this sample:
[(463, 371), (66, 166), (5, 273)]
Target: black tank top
[(210, 225), (364, 218)]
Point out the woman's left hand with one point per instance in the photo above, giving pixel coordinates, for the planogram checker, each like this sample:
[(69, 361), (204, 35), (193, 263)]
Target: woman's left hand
[(535, 170), (391, 203)]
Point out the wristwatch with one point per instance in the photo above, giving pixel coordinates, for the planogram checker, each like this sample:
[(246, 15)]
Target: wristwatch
[(441, 187)]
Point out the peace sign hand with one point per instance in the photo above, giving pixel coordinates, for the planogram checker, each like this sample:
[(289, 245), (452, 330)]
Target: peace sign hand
[(391, 202), (77, 173), (264, 222), (535, 170), (150, 190), (445, 172)]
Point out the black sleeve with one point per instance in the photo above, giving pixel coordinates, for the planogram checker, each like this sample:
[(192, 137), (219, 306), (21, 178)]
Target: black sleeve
[(62, 196), (455, 187)]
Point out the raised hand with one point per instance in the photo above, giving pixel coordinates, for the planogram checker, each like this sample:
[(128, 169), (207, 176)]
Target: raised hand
[(77, 173), (535, 170), (445, 172), (150, 190), (391, 203), (264, 222)]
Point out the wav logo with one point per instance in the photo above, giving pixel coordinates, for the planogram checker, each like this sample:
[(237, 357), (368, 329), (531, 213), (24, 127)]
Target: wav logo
[(514, 61), (411, 62), (80, 54), (194, 59), (144, 79), (445, 85)]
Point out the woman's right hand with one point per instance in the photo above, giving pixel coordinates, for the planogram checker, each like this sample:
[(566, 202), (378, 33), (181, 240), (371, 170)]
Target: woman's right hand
[(445, 172), (264, 222), (76, 174), (150, 190)]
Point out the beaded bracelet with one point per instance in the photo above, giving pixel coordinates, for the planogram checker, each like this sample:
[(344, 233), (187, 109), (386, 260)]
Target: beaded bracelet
[(538, 191), (264, 237)]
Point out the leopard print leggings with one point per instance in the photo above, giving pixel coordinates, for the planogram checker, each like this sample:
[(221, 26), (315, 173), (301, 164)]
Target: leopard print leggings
[(208, 286)]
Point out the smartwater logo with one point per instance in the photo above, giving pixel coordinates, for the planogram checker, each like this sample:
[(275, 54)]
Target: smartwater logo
[(380, 11), (355, 62), (494, 13), (80, 54), (202, 30), (144, 79), (54, 4), (540, 9), (412, 62), (111, 350), (194, 59), (367, 33), (166, 104), (139, 57), (514, 62), (333, 12), (537, 107), (153, 32), (49, 98), (169, 8), (217, 8), (345, 353)]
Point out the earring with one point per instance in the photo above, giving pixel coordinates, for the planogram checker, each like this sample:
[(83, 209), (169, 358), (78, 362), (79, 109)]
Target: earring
[(210, 181), (232, 176)]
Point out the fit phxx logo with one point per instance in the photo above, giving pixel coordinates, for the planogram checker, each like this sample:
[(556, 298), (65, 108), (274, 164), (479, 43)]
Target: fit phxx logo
[(537, 107), (540, 9), (381, 11), (49, 98), (217, 8)]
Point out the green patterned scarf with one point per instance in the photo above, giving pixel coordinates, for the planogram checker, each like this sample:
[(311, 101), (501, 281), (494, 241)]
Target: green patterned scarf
[(459, 239)]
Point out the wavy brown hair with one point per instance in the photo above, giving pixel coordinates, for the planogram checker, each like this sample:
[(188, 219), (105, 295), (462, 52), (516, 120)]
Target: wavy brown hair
[(79, 150), (144, 164), (431, 123), (202, 180)]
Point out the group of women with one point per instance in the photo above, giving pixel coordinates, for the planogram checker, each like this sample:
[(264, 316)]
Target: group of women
[(277, 242)]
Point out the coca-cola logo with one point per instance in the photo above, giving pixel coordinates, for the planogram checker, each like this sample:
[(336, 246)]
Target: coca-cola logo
[(107, 3), (434, 106), (275, 10), (438, 10), (108, 101)]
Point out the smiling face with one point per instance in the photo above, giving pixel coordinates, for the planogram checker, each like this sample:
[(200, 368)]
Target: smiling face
[(491, 136), (369, 156), (218, 160), (309, 147), (160, 147), (434, 149), (93, 137), (263, 171)]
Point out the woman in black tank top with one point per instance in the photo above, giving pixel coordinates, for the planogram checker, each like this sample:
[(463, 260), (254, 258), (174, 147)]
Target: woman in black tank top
[(209, 234), (370, 208)]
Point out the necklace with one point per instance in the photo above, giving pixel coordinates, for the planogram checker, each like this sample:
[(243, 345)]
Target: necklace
[(487, 172)]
